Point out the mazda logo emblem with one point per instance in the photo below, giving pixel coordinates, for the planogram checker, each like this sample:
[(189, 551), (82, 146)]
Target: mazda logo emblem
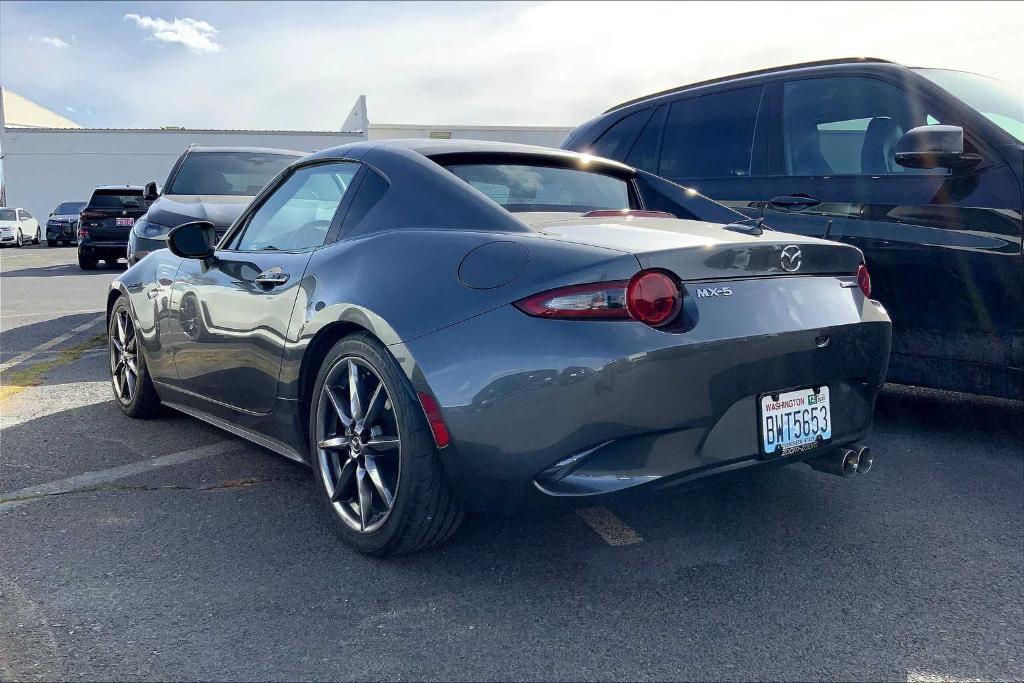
[(791, 258)]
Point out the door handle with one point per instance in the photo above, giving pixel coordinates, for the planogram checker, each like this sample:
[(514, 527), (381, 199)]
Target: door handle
[(272, 277), (793, 202)]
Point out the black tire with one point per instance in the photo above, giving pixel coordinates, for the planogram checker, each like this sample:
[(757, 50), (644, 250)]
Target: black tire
[(86, 262), (38, 238), (52, 243), (20, 242), (144, 402), (426, 511)]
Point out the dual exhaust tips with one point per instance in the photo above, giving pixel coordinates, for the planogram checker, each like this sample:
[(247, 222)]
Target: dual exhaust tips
[(845, 462)]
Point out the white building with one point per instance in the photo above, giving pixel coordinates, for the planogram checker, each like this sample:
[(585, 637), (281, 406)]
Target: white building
[(47, 159)]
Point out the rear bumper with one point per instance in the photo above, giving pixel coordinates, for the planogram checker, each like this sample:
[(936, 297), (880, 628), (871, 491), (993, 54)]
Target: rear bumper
[(103, 249), (597, 407)]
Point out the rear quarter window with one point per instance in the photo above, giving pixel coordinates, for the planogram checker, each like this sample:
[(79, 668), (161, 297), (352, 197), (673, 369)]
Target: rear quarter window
[(616, 142)]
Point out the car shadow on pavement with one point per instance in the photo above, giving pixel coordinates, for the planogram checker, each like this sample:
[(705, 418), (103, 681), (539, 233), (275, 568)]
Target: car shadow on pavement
[(63, 269), (91, 437)]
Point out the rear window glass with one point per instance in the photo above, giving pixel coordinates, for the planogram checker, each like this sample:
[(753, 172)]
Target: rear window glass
[(227, 173), (7, 215), (68, 208), (116, 199), (544, 188)]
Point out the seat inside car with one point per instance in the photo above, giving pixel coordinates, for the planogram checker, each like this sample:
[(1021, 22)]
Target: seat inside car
[(803, 151), (880, 139)]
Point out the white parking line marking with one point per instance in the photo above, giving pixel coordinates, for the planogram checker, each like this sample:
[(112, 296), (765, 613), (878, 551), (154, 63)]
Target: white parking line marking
[(47, 314), (9, 501), (612, 529), (21, 357)]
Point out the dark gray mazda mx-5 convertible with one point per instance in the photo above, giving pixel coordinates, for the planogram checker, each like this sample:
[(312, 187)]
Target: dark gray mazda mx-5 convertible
[(440, 324)]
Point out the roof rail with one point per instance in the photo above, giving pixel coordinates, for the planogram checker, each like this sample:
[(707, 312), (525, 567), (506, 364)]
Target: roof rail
[(773, 69)]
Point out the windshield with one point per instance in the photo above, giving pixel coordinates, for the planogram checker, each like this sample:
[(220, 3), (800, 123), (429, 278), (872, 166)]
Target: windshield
[(227, 173), (68, 208), (995, 99), (7, 215), (116, 199), (545, 188)]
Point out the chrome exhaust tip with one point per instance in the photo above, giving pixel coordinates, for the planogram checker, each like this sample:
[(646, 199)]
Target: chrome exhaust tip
[(865, 460), (842, 462)]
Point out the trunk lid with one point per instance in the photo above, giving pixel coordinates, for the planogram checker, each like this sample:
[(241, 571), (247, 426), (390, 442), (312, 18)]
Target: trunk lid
[(695, 250)]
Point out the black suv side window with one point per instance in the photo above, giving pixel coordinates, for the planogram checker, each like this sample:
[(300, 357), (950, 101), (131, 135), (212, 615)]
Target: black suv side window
[(615, 142), (847, 125), (710, 136)]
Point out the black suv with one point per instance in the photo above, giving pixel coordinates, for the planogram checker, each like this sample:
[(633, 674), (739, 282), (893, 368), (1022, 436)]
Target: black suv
[(106, 221), (923, 169)]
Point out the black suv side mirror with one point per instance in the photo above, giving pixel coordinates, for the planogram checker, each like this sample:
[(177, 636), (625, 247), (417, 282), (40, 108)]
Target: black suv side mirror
[(150, 194), (195, 240), (934, 147)]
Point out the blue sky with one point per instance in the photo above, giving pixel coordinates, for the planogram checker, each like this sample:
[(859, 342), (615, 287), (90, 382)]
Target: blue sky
[(302, 65)]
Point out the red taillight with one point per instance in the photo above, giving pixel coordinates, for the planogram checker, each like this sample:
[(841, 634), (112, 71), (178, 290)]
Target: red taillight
[(433, 412), (83, 231), (597, 300), (91, 215), (638, 213), (864, 280), (653, 298)]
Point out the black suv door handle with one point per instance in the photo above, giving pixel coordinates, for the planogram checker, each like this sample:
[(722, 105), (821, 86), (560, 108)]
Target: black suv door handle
[(793, 202), (272, 277)]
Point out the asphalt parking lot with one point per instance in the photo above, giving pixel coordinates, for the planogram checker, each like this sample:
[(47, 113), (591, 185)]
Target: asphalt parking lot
[(166, 549)]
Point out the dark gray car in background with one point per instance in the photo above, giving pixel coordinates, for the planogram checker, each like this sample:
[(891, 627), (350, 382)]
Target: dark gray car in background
[(430, 324), (62, 225), (206, 183)]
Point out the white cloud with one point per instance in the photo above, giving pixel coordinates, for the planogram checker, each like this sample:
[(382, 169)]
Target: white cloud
[(195, 34), (72, 110), (54, 41)]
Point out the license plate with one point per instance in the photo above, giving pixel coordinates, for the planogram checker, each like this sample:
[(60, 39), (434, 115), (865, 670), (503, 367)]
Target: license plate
[(795, 421), (124, 222)]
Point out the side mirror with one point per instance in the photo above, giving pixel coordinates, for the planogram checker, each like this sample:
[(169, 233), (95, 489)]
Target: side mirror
[(150, 193), (196, 240), (934, 147)]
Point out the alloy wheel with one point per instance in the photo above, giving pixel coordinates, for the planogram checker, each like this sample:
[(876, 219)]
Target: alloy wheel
[(358, 444), (124, 357), (21, 239)]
